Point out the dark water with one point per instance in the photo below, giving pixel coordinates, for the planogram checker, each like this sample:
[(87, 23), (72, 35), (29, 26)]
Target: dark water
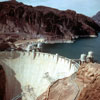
[(73, 50)]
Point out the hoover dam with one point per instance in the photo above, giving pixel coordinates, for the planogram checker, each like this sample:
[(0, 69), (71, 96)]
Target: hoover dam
[(29, 74)]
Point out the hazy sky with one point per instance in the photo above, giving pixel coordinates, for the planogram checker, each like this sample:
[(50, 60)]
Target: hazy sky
[(87, 7)]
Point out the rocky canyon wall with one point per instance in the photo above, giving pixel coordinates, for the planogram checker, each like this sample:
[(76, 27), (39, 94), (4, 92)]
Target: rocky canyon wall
[(19, 21)]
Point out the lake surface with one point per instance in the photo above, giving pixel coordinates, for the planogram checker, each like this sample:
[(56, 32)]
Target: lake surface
[(74, 50)]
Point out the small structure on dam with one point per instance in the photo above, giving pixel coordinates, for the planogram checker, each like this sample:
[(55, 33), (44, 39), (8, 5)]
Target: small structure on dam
[(87, 58), (83, 58), (90, 57), (29, 74)]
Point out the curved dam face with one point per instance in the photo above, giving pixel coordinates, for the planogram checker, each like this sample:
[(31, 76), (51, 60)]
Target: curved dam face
[(29, 74)]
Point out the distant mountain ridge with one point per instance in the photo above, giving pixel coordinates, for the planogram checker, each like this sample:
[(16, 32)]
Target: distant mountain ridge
[(96, 18)]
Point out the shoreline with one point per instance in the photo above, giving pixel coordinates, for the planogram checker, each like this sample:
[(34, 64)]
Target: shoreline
[(87, 36), (26, 44), (69, 41)]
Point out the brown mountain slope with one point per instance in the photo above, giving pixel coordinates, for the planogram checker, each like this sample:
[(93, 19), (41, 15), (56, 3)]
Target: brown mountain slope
[(20, 21)]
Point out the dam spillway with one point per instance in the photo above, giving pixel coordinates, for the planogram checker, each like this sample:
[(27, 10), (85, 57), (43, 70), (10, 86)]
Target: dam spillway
[(31, 73)]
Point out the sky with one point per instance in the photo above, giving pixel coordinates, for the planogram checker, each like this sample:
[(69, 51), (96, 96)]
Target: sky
[(87, 7)]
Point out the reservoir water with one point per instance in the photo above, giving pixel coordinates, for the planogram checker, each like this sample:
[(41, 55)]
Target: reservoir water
[(73, 50)]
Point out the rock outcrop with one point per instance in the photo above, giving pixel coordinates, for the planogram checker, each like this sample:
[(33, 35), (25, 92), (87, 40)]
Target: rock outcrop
[(2, 83), (83, 85), (90, 76), (96, 18), (22, 22), (91, 92)]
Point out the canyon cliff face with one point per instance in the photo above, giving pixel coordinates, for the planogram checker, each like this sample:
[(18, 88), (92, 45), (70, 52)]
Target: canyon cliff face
[(21, 22), (2, 83), (96, 18)]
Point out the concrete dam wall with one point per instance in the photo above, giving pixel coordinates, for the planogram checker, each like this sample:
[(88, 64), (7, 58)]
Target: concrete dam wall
[(29, 74)]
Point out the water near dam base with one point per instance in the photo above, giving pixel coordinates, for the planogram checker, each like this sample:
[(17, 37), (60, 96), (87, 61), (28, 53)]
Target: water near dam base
[(74, 50), (29, 74)]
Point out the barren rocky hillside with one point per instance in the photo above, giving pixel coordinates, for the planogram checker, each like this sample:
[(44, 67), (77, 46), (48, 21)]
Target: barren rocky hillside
[(19, 21)]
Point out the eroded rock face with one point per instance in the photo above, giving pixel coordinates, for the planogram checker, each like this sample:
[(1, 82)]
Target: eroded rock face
[(84, 85), (96, 18), (91, 80), (18, 21), (91, 92), (2, 83)]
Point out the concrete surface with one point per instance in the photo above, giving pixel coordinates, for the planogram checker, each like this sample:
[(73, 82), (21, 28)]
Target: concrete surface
[(31, 73)]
